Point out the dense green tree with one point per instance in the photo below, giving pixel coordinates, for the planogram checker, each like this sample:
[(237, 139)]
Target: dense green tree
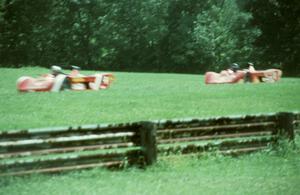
[(133, 30), (223, 35), (150, 35), (177, 47), (22, 23), (279, 43), (74, 32)]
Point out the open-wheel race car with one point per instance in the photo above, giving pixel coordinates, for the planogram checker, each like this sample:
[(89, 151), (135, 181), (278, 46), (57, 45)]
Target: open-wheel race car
[(59, 81), (240, 76)]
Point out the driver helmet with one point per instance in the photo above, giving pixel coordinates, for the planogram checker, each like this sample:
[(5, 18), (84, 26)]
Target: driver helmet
[(234, 67), (56, 69), (75, 67), (250, 66)]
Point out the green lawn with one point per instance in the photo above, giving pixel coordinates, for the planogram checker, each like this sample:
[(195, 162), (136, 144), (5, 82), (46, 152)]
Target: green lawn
[(260, 173), (140, 96)]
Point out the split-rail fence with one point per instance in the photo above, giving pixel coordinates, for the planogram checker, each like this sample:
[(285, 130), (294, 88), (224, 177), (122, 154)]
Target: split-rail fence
[(50, 150)]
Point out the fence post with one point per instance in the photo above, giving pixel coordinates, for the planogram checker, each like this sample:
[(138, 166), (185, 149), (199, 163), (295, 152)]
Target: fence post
[(148, 142), (285, 125)]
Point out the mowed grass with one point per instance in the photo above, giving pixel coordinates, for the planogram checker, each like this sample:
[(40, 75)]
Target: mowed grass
[(260, 173), (139, 96)]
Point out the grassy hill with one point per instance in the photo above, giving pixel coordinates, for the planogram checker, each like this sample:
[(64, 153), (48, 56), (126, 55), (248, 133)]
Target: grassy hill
[(137, 96)]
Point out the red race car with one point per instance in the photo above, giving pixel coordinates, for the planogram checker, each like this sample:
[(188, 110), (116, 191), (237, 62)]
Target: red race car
[(58, 81), (240, 76)]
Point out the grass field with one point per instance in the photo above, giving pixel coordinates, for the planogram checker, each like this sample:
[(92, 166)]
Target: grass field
[(141, 96), (260, 173)]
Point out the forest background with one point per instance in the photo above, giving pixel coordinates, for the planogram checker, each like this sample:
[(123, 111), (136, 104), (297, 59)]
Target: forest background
[(185, 36)]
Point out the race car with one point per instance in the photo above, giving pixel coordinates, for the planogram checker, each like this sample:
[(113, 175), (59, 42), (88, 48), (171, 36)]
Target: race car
[(58, 81), (241, 76)]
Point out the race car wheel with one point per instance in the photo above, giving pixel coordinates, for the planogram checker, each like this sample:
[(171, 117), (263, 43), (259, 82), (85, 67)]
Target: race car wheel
[(247, 77)]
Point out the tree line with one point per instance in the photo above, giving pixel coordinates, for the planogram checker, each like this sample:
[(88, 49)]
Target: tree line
[(151, 35)]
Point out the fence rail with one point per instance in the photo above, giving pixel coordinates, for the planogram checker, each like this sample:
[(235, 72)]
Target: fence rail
[(118, 145)]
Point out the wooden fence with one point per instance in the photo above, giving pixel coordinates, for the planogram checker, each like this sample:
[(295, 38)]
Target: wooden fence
[(120, 145)]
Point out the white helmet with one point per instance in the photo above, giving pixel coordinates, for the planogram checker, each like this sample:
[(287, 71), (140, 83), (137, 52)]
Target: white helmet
[(56, 69)]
